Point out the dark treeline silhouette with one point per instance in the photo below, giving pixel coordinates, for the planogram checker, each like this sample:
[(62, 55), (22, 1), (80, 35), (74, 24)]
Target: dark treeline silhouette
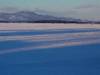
[(51, 21)]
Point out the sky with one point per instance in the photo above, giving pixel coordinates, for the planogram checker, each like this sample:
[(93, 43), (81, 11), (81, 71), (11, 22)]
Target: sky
[(88, 9)]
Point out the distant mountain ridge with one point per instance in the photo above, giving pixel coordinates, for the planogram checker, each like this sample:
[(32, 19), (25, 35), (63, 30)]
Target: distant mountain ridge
[(32, 17)]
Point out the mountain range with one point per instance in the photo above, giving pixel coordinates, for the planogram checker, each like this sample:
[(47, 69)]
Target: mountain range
[(33, 17)]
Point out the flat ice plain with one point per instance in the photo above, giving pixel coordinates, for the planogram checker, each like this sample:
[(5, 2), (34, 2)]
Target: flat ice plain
[(49, 49)]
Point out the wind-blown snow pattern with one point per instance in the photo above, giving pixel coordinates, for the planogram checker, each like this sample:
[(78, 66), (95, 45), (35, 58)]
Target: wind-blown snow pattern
[(17, 41), (50, 52)]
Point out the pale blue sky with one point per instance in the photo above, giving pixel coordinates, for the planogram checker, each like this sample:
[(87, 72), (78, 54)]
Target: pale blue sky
[(53, 5), (66, 7)]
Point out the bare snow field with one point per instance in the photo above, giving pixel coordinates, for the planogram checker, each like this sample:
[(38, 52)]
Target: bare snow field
[(16, 37), (49, 49), (32, 26)]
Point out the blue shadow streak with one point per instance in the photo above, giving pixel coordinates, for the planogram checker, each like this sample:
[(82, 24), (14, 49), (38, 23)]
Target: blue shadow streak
[(38, 32), (74, 60)]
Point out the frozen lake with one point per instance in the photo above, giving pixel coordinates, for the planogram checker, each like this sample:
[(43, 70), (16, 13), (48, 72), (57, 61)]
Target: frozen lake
[(49, 49)]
